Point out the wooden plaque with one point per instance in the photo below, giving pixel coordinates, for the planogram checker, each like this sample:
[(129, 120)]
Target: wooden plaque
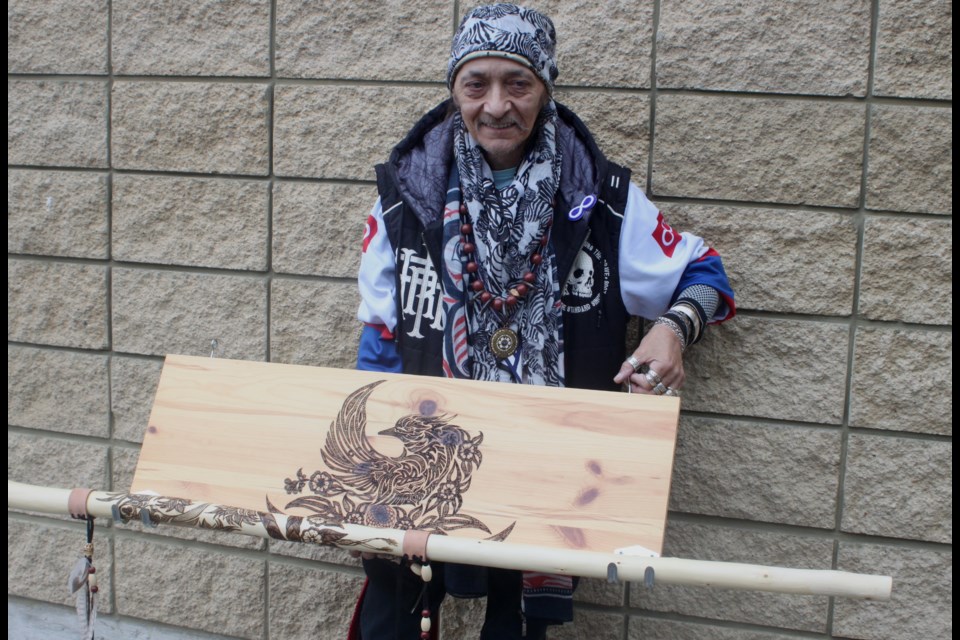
[(560, 468)]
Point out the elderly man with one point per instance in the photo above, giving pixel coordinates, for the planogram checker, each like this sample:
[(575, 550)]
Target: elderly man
[(505, 247)]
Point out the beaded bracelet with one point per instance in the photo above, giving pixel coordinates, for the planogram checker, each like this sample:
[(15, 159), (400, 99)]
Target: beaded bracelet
[(673, 326)]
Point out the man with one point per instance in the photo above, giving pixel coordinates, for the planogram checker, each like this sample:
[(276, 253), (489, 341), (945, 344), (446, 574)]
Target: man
[(504, 246)]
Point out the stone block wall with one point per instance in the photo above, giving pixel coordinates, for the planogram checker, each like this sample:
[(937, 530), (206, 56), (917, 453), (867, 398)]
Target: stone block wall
[(194, 178)]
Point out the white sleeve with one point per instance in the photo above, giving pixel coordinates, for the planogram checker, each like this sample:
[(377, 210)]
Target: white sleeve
[(653, 257), (377, 277)]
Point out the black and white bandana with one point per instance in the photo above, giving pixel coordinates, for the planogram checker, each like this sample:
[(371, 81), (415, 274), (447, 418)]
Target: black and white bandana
[(507, 31), (509, 225)]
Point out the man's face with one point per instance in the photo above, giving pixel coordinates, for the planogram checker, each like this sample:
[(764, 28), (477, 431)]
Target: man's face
[(499, 100)]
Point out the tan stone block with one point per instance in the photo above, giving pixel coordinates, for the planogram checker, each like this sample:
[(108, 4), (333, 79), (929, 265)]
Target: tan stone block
[(626, 26), (591, 625), (707, 542), (40, 557), (910, 164), (164, 312), (58, 391), (778, 260), (364, 40), (195, 587), (892, 369), (762, 149), (620, 123), (656, 629), (907, 272), (318, 228), (899, 488), (313, 552), (783, 369), (314, 323), (57, 213), (199, 38), (57, 123), (57, 303), (752, 471), (765, 45), (190, 126), (921, 603), (133, 386), (914, 49), (55, 462), (190, 221), (335, 131), (68, 37), (307, 602)]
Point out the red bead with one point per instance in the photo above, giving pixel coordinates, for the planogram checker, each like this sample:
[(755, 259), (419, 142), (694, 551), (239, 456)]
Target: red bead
[(466, 228), (424, 635), (92, 570), (544, 240), (425, 613), (536, 258), (511, 301), (485, 297), (472, 267), (522, 290), (530, 277), (94, 589), (469, 247), (477, 286), (497, 303), (463, 208)]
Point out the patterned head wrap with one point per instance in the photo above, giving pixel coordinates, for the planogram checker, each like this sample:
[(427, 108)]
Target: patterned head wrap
[(506, 31)]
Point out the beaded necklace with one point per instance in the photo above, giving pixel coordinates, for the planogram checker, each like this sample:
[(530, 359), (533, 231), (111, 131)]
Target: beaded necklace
[(504, 303)]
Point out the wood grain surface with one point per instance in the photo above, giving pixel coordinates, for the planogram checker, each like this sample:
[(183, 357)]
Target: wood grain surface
[(566, 468)]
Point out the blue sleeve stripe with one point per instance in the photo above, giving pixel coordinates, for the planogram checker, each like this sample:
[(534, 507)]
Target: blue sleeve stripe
[(376, 353), (709, 271)]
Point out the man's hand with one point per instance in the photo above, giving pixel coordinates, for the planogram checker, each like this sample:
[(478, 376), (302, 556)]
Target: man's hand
[(660, 351)]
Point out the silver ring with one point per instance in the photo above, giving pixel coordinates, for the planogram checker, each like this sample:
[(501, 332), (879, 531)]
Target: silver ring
[(671, 392), (660, 389), (636, 364), (653, 377)]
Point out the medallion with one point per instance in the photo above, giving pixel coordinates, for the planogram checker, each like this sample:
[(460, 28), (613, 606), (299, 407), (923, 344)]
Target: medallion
[(503, 343)]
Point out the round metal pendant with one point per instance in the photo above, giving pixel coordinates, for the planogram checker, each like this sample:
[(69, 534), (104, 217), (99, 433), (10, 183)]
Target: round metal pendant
[(503, 343)]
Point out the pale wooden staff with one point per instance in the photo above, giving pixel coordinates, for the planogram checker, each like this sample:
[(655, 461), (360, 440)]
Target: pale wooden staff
[(505, 555)]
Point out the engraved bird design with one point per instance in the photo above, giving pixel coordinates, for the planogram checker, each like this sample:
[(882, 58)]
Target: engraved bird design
[(436, 464)]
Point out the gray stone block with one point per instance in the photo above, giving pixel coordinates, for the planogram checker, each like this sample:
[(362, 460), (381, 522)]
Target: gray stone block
[(597, 591), (335, 131), (314, 323), (620, 123), (313, 552), (655, 629), (163, 312), (921, 603), (307, 603), (190, 221), (787, 151), (57, 303), (190, 126), (192, 587), (914, 49), (765, 46), (778, 260), (133, 387), (58, 391), (318, 228), (901, 380), (899, 488), (57, 213), (42, 460), (59, 123), (57, 37), (910, 164), (627, 25), (771, 473), (461, 617), (591, 625), (199, 38), (783, 369), (707, 542), (907, 272), (364, 40), (40, 557)]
